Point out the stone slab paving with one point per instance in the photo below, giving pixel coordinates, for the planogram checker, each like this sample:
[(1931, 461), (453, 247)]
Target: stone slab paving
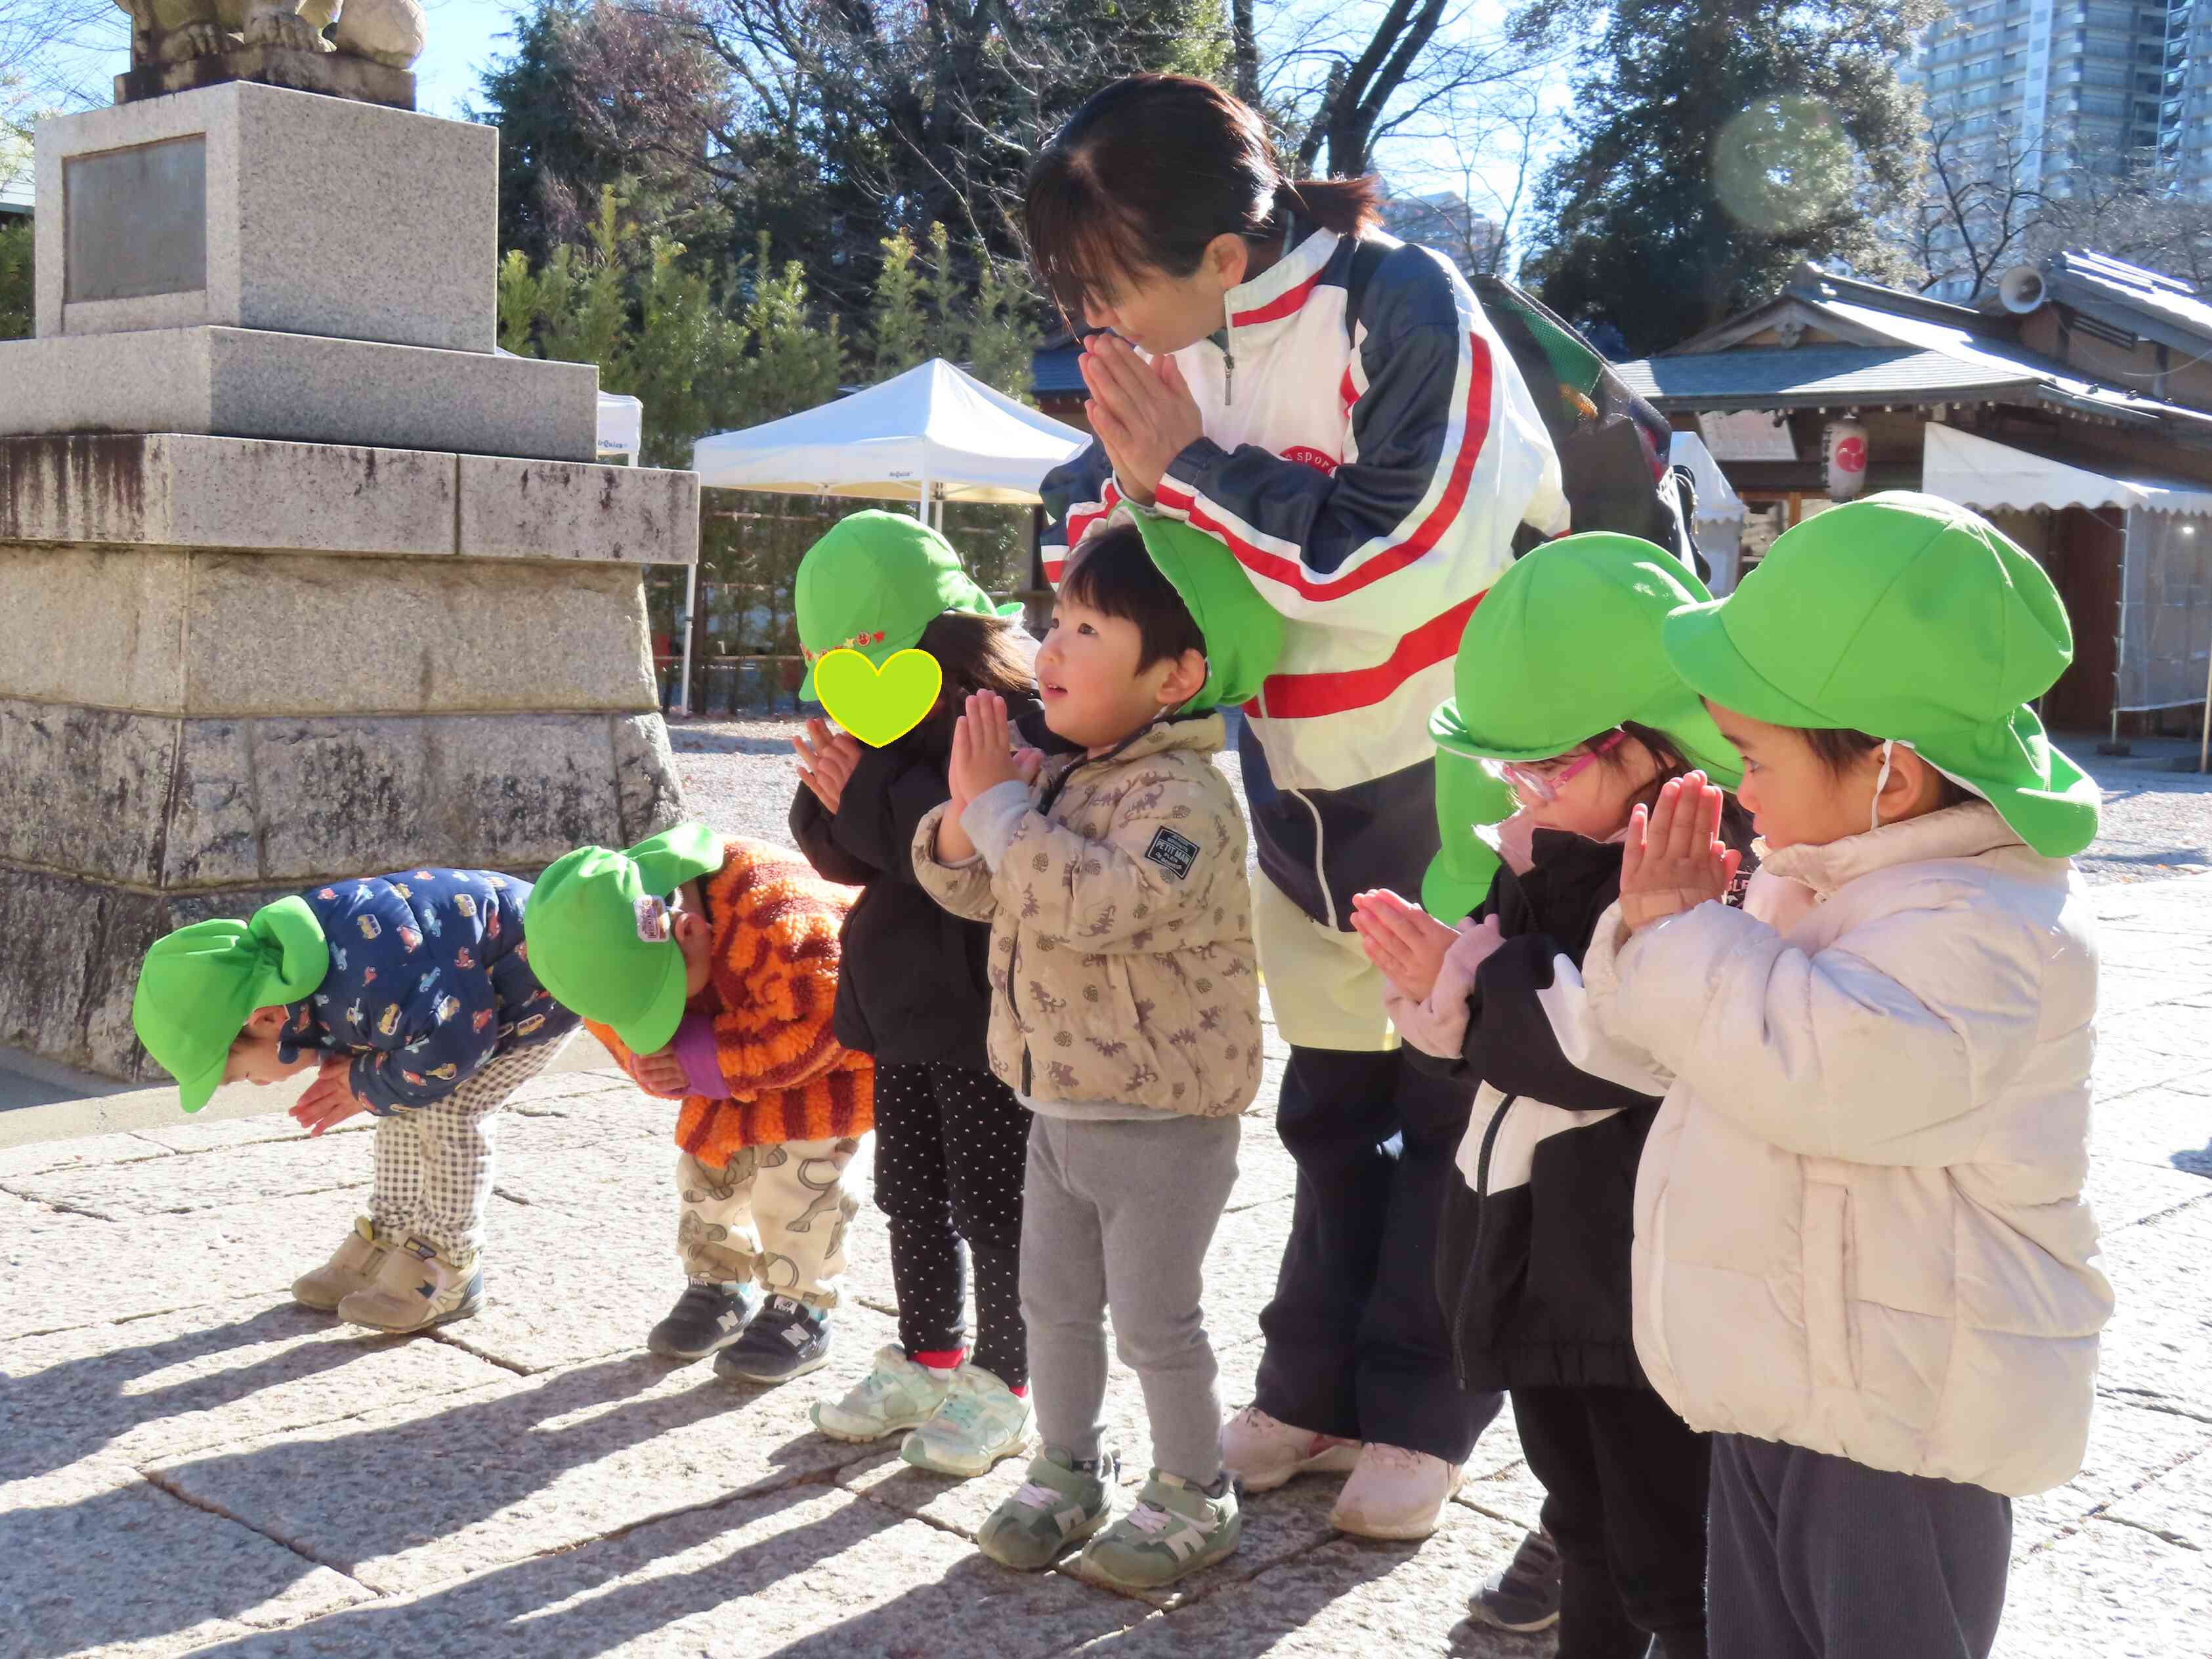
[(189, 1463)]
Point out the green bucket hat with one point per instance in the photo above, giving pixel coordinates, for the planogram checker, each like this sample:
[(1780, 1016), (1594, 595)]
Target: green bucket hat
[(599, 938), (1909, 618), (1566, 644), (1468, 793), (1243, 633), (874, 583), (199, 985)]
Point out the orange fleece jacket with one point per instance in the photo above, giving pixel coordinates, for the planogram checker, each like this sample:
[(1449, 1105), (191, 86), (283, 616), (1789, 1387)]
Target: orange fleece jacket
[(773, 985)]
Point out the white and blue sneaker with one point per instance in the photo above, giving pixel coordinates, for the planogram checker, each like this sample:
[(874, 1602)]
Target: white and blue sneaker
[(897, 1395), (982, 1421)]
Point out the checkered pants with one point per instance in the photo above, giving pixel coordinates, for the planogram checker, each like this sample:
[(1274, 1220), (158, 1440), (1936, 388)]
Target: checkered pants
[(434, 1164)]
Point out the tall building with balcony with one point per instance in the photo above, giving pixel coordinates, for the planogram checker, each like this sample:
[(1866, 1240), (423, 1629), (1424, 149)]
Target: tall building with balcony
[(2043, 90)]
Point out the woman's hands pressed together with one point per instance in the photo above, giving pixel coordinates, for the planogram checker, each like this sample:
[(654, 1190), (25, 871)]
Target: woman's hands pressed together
[(1674, 859), (1143, 412)]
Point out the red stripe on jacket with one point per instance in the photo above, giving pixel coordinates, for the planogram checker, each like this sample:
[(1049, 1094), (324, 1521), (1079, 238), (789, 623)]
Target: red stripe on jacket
[(1309, 697), (1474, 431), (1280, 307)]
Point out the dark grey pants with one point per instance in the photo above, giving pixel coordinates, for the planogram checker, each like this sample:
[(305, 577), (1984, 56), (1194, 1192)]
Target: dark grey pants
[(1814, 1557)]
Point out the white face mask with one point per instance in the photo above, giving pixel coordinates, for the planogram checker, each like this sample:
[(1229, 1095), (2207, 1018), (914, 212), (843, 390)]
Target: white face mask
[(1880, 783)]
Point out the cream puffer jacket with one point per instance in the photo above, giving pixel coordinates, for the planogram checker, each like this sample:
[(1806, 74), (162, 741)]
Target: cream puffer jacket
[(1859, 1219), (1122, 967)]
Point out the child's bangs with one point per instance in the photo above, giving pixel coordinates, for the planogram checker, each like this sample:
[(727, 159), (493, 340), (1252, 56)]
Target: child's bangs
[(1084, 248)]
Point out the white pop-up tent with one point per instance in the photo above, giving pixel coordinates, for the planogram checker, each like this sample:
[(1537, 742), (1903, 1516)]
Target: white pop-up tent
[(931, 435), (2163, 648), (1719, 526)]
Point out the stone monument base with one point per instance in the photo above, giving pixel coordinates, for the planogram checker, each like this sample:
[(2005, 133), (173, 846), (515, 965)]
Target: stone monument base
[(231, 669), (335, 75), (251, 383)]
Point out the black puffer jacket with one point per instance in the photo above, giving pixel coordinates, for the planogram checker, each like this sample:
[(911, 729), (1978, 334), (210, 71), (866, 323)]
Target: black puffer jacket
[(912, 987), (1532, 1256)]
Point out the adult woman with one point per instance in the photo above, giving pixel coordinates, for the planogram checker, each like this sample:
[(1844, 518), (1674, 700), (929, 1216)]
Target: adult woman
[(1337, 410)]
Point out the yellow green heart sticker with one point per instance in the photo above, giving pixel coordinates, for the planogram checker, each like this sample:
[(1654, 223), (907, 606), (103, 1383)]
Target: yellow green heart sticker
[(878, 705)]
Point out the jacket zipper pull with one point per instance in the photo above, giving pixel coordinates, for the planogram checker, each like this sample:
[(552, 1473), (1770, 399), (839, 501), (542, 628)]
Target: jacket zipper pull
[(1228, 353)]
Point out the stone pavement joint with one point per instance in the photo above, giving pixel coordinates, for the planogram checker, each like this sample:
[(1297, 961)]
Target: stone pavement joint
[(190, 1463)]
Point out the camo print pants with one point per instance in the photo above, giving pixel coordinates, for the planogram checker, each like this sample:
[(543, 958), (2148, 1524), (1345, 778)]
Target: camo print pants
[(775, 1214), (434, 1164)]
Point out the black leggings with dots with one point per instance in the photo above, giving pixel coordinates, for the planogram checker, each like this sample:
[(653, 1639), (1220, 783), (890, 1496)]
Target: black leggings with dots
[(951, 1147)]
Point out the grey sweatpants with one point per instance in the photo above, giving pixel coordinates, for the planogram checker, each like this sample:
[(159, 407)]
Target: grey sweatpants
[(1816, 1556), (1116, 1218)]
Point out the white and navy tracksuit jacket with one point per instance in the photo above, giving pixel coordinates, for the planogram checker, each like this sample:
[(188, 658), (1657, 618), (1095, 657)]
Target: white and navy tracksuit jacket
[(1368, 458)]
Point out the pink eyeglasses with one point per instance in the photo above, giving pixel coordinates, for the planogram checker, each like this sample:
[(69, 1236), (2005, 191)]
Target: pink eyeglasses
[(1543, 779)]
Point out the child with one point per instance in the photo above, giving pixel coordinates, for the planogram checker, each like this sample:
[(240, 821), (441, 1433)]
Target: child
[(1863, 1259), (1125, 1010), (413, 994), (1563, 685), (709, 967), (913, 991)]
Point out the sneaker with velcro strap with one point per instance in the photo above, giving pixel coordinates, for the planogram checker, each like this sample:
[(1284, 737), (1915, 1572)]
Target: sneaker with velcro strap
[(1059, 1504), (787, 1338), (707, 1318), (1175, 1530)]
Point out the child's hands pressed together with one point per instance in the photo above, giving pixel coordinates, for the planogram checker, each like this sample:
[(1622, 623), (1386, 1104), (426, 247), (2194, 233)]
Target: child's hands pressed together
[(329, 1099), (1402, 939), (1674, 859), (660, 1074), (826, 760), (983, 749)]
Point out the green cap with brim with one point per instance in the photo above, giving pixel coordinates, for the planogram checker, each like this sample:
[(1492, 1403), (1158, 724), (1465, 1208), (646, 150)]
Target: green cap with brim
[(600, 939), (1566, 644), (1469, 795), (1243, 633), (1910, 618), (199, 986), (873, 583)]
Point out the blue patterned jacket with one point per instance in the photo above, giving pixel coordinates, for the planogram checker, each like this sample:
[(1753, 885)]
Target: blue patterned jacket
[(429, 978)]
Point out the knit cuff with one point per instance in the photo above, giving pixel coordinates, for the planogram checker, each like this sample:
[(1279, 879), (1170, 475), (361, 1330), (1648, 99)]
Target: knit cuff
[(995, 817), (701, 1055)]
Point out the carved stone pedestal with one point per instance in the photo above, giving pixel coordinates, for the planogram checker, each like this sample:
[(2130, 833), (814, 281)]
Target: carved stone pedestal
[(298, 580)]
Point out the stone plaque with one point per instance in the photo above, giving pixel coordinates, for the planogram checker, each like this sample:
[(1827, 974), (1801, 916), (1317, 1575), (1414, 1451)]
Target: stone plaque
[(137, 221)]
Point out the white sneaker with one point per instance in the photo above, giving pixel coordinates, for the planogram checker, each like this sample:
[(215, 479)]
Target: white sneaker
[(1263, 1451), (981, 1421), (1395, 1493), (897, 1395)]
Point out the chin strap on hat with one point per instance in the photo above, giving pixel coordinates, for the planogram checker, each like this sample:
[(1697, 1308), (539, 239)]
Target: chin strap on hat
[(1880, 783)]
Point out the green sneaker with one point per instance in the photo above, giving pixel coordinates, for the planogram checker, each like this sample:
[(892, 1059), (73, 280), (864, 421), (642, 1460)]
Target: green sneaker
[(981, 1421), (1175, 1530), (897, 1395), (1057, 1504)]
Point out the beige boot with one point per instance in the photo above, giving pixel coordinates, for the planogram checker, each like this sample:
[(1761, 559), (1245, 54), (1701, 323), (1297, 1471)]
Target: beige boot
[(416, 1289), (354, 1267)]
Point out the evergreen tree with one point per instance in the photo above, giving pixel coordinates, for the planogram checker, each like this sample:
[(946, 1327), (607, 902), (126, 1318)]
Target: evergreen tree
[(1718, 144), (17, 300)]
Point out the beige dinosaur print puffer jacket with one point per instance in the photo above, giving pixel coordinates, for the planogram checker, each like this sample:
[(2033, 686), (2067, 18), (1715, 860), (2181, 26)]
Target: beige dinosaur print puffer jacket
[(1122, 967)]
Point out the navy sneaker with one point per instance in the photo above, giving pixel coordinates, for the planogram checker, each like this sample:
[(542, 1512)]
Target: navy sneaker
[(1525, 1597), (787, 1338), (706, 1319)]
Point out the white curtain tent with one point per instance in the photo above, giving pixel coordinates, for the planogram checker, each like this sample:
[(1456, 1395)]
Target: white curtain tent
[(2164, 642), (1719, 526), (622, 428), (931, 435)]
